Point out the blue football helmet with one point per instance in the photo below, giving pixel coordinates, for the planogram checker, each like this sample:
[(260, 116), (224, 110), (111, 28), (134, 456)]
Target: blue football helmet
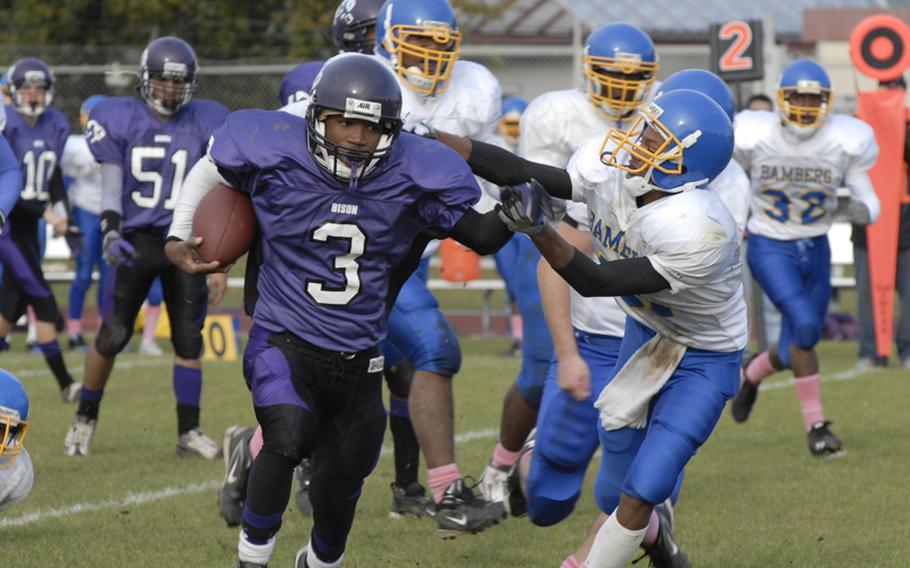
[(421, 39), (510, 118), (13, 418), (296, 85), (358, 87), (804, 96), (703, 81), (619, 65), (167, 74), (682, 141), (353, 22), (29, 72), (87, 106)]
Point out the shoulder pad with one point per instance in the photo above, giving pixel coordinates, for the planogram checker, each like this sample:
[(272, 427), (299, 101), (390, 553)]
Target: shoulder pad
[(430, 164), (852, 134), (586, 164), (750, 126)]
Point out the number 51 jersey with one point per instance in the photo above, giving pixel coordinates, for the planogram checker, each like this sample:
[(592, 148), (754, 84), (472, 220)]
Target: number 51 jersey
[(154, 154), (794, 182)]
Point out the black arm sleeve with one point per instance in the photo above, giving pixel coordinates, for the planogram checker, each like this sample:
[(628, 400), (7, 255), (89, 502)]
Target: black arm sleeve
[(502, 167), (484, 234), (57, 190), (615, 278), (407, 267)]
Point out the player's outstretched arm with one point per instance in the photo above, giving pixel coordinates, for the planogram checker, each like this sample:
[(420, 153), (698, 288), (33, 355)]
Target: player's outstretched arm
[(499, 166)]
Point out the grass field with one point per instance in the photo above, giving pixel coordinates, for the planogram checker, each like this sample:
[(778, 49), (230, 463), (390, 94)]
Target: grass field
[(753, 496)]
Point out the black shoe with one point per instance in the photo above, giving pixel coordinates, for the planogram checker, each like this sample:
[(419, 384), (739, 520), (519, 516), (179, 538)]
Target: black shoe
[(744, 400), (461, 511), (304, 473), (411, 501), (237, 462), (822, 442), (665, 552), (242, 564), (513, 351), (77, 343), (516, 504)]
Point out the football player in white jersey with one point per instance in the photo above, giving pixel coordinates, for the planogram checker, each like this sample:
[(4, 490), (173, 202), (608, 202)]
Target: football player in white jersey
[(796, 160), (420, 41), (16, 474), (671, 252), (619, 66)]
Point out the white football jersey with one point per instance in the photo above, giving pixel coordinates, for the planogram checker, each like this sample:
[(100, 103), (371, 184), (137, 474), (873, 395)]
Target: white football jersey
[(16, 481), (553, 126), (78, 163), (691, 239), (732, 186), (794, 182)]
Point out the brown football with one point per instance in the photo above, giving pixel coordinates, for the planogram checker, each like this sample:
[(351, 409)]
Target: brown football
[(227, 224)]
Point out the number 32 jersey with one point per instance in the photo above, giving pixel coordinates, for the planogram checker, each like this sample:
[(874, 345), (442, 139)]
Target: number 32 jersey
[(329, 247), (794, 182), (154, 154)]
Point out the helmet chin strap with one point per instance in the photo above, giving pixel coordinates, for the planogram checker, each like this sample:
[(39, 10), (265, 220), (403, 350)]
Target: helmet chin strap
[(800, 133), (639, 185)]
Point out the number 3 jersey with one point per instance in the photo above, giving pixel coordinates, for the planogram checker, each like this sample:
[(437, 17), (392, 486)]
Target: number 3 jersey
[(329, 247), (794, 182), (691, 240), (154, 154), (38, 149)]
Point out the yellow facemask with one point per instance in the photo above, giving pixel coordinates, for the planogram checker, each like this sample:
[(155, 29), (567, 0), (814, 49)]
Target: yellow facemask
[(802, 115), (667, 157), (431, 74), (12, 437), (615, 95)]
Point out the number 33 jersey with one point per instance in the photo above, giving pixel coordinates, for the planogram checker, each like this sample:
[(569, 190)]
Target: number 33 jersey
[(794, 182), (154, 154), (329, 247), (691, 240)]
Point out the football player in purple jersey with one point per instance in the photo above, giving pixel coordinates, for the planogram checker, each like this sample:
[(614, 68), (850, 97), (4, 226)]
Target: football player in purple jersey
[(145, 145), (346, 204), (36, 133)]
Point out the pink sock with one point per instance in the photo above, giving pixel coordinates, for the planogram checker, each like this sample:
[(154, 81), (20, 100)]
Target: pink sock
[(439, 479), (572, 562), (809, 391), (759, 368), (74, 326), (517, 328), (653, 529), (256, 442), (502, 457), (150, 324)]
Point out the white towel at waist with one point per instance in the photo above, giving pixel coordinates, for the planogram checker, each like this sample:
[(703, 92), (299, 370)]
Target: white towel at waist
[(624, 402)]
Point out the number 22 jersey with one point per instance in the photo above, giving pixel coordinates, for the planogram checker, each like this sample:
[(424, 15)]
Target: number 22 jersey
[(154, 154)]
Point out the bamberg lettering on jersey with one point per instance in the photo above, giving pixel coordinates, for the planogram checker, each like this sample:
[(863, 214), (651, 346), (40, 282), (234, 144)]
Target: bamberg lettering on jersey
[(614, 241), (796, 174)]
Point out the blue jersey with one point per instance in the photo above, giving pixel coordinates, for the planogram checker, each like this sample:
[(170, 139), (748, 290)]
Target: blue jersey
[(328, 247), (38, 149), (155, 154), (296, 85)]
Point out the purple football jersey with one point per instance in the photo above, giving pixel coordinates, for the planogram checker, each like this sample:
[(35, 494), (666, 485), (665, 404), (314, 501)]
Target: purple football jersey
[(155, 154), (38, 149), (328, 248)]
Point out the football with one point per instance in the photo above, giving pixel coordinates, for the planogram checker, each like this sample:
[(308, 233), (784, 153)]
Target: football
[(226, 222)]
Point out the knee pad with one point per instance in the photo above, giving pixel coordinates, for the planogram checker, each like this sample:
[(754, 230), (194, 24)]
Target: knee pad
[(287, 430), (398, 377), (112, 339), (806, 334), (566, 430), (186, 337), (552, 490)]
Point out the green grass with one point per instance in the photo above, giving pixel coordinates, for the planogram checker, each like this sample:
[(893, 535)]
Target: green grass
[(753, 496)]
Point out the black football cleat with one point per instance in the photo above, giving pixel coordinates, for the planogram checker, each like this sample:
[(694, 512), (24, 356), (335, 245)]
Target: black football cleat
[(237, 462), (665, 552), (822, 442), (411, 501), (303, 473), (516, 504), (461, 511)]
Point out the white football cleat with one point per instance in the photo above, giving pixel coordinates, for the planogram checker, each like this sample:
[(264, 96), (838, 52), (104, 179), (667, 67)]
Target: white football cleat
[(492, 484), (79, 436), (150, 348), (195, 443), (71, 392)]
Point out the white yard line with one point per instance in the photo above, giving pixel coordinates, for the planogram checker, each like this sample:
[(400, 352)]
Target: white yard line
[(77, 372), (141, 498)]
